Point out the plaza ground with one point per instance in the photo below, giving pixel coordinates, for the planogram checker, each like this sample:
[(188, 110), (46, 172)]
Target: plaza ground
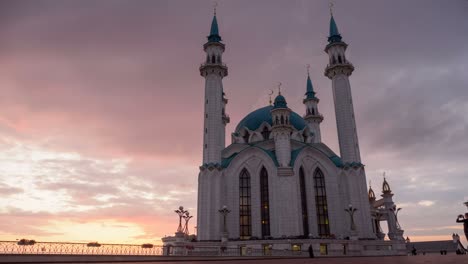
[(426, 259)]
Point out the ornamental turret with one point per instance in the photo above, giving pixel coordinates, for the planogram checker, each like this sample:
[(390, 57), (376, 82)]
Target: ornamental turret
[(215, 118), (312, 116), (338, 70), (281, 130)]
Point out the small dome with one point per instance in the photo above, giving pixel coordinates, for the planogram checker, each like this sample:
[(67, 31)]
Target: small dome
[(386, 187), (253, 120), (280, 102)]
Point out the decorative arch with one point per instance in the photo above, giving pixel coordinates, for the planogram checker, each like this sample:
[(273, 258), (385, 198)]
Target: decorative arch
[(321, 203), (264, 203), (245, 212), (304, 213)]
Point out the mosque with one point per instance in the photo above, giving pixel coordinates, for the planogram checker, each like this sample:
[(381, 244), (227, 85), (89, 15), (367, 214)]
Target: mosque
[(277, 185)]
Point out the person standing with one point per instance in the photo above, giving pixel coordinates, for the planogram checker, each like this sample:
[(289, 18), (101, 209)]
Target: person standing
[(464, 220), (311, 251)]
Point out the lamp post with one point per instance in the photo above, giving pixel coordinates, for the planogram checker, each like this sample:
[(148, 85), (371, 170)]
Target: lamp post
[(224, 212), (180, 212), (187, 218), (395, 211), (351, 210)]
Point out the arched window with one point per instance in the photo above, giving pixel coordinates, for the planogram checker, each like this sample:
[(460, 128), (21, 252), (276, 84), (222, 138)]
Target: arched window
[(321, 203), (265, 133), (264, 203), (313, 111), (339, 59), (276, 121), (213, 60), (282, 120), (246, 137), (305, 216), (287, 120), (245, 216), (219, 59)]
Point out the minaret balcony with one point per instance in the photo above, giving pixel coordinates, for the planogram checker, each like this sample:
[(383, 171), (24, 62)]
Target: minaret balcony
[(335, 69), (219, 68), (226, 119), (318, 117)]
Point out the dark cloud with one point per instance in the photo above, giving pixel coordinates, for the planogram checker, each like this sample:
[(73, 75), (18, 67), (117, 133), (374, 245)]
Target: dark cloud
[(118, 80)]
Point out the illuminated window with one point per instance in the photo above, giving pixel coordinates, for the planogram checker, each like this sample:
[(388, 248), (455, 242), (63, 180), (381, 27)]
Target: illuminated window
[(296, 247), (323, 249), (264, 203), (265, 133), (305, 217), (321, 204), (245, 220)]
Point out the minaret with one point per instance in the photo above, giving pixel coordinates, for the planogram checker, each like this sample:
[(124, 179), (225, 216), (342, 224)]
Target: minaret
[(215, 119), (338, 70), (281, 132), (312, 116)]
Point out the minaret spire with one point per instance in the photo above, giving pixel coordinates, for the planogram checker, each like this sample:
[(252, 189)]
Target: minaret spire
[(312, 116), (214, 31)]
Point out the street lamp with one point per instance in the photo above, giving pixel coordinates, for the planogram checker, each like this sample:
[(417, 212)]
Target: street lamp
[(187, 218), (351, 210), (224, 212), (395, 211), (180, 212)]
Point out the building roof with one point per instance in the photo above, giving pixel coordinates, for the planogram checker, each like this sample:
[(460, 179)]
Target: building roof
[(253, 120)]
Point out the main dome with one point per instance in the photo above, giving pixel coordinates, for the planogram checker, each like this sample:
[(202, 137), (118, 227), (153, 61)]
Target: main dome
[(253, 120)]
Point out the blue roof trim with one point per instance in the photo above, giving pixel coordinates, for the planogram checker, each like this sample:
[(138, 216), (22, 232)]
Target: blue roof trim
[(214, 31), (254, 120), (226, 161), (334, 34)]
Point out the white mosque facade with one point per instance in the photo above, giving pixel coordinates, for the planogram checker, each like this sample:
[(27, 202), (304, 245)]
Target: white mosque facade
[(281, 185)]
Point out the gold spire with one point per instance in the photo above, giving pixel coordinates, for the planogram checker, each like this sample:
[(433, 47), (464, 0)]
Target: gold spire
[(271, 92), (279, 88), (214, 7)]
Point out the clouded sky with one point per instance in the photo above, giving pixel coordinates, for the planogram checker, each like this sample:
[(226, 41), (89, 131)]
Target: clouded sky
[(101, 105)]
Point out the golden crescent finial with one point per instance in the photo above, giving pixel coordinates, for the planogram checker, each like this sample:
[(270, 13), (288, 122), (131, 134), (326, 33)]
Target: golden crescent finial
[(331, 8), (214, 7), (271, 92), (308, 68), (279, 88)]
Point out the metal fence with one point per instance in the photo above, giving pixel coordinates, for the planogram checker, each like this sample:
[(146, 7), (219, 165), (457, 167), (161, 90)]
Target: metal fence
[(65, 248)]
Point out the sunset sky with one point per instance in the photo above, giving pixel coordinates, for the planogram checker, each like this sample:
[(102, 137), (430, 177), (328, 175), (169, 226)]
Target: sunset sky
[(101, 105)]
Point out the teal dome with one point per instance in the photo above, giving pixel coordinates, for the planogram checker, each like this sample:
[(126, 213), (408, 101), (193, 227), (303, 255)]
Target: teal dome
[(253, 120), (280, 102)]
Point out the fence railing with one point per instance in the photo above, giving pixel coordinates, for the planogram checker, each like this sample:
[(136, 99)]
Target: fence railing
[(66, 248)]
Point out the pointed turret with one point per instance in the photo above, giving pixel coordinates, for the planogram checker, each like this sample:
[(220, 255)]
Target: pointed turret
[(334, 34), (312, 116), (214, 32), (386, 187), (310, 94)]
